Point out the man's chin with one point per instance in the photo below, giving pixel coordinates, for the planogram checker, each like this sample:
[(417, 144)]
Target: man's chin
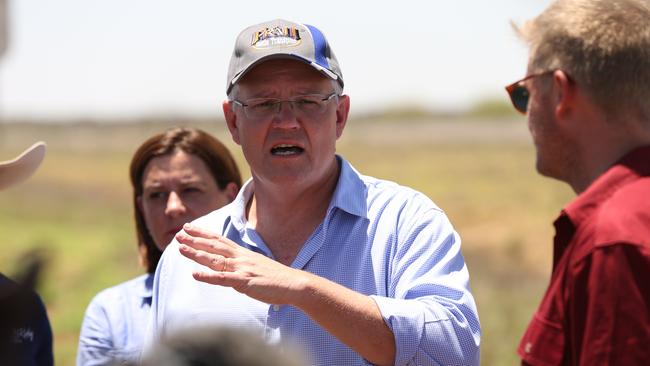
[(541, 168), (545, 170)]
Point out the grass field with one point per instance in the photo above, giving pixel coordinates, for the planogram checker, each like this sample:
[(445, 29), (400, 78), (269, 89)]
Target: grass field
[(76, 209)]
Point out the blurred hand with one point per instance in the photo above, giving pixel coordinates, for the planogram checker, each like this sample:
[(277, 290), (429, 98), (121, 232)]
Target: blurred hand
[(231, 265)]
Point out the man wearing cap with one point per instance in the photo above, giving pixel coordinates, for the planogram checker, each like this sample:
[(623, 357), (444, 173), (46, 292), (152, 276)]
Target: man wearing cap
[(587, 97), (25, 332), (353, 269)]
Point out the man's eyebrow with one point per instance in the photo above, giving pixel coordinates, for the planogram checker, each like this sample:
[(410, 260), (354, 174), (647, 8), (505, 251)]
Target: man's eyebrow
[(273, 93)]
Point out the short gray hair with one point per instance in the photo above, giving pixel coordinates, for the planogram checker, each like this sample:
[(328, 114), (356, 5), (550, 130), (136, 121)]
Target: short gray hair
[(604, 45)]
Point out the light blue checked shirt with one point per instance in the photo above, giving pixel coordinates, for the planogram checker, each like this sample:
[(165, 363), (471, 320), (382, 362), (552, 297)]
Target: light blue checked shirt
[(378, 238), (113, 327)]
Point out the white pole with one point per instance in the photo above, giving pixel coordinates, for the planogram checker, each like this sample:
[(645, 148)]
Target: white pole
[(4, 27), (4, 35)]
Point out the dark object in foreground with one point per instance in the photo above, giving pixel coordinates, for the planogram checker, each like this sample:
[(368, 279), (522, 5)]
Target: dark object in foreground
[(25, 333), (219, 346)]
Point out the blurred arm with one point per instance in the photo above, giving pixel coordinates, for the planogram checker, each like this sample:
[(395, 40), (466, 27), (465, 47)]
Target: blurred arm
[(95, 341)]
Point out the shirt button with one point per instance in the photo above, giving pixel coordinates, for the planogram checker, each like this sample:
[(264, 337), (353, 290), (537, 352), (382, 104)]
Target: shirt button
[(276, 307), (528, 347)]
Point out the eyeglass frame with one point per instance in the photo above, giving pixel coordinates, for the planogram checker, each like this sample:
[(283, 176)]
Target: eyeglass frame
[(278, 102), (511, 88)]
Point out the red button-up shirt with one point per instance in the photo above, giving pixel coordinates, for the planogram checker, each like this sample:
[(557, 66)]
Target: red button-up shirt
[(596, 310)]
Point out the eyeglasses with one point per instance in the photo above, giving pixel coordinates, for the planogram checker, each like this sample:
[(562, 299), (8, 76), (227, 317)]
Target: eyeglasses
[(309, 105), (519, 93)]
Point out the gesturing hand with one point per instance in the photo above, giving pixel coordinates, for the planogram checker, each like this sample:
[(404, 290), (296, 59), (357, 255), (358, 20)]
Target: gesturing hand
[(342, 312), (234, 266)]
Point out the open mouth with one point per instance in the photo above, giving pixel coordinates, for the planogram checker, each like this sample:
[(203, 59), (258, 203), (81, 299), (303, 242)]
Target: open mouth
[(286, 150)]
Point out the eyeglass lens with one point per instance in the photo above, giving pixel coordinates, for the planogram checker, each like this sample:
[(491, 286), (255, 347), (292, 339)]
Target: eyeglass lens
[(519, 96), (307, 105)]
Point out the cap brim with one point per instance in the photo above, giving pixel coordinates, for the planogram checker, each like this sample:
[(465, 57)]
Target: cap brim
[(292, 56), (17, 170)]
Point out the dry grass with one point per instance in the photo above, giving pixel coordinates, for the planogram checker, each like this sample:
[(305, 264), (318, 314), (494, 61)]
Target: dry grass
[(481, 173)]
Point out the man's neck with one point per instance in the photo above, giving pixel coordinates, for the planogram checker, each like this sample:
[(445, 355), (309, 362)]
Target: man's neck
[(286, 215), (603, 150)]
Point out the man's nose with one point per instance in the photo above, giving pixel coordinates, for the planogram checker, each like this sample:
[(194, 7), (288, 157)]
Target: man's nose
[(285, 117), (175, 206)]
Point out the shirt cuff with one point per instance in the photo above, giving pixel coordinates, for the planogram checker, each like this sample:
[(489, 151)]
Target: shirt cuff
[(406, 319), (425, 333)]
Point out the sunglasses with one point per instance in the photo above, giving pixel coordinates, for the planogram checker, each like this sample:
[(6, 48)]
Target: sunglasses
[(519, 93)]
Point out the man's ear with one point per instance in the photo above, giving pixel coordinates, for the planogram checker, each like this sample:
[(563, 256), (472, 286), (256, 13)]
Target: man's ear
[(564, 94), (231, 121), (342, 111)]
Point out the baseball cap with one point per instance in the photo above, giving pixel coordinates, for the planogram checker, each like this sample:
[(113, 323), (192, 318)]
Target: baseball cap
[(17, 170), (279, 39)]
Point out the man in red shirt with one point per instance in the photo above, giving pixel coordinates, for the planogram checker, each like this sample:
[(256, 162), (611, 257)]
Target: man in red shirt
[(587, 97)]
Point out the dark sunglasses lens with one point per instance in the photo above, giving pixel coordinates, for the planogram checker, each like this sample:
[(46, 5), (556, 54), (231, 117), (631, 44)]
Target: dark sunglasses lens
[(519, 96)]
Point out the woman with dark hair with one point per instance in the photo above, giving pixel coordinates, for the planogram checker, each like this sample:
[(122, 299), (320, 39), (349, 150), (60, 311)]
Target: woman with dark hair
[(177, 176)]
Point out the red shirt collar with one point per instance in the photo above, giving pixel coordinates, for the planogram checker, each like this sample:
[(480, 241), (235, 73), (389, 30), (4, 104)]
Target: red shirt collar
[(633, 165)]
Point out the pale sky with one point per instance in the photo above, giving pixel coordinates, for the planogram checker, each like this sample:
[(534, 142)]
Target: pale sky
[(130, 58)]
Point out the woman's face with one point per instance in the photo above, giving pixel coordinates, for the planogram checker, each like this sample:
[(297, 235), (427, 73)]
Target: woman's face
[(178, 188)]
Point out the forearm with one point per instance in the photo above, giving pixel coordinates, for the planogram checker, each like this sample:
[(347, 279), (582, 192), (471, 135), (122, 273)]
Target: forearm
[(348, 315)]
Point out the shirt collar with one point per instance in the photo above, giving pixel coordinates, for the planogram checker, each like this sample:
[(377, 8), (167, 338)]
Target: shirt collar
[(631, 167), (145, 286), (349, 195), (238, 213)]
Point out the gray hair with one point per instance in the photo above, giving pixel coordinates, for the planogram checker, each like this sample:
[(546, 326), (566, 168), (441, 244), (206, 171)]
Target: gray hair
[(604, 45)]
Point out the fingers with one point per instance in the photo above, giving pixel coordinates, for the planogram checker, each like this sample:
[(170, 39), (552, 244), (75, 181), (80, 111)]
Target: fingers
[(200, 232), (228, 279), (216, 244), (215, 262), (223, 268)]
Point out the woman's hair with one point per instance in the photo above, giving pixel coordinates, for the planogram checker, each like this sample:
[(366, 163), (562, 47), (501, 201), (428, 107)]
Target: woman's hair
[(192, 141)]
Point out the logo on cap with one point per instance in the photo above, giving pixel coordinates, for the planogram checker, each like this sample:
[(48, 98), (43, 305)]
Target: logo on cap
[(276, 36)]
